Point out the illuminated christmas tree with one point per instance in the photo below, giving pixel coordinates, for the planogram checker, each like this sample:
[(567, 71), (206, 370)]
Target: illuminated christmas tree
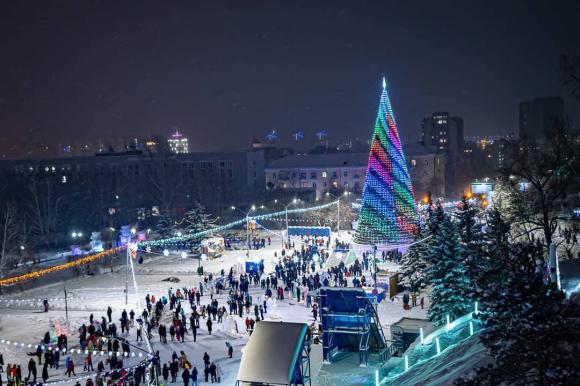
[(388, 214)]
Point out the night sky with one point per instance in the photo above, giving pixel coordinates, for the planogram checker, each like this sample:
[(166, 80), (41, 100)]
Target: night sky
[(226, 71)]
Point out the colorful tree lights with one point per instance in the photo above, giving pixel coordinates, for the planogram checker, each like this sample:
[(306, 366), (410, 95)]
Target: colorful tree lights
[(388, 214)]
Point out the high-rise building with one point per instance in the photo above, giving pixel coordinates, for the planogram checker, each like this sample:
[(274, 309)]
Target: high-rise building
[(537, 117), (443, 132), (178, 143)]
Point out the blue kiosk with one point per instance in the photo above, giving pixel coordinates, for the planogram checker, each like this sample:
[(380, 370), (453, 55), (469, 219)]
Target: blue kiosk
[(308, 231)]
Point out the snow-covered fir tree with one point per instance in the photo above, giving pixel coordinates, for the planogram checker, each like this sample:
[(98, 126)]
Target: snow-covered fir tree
[(496, 233), (447, 273), (494, 250), (196, 220), (413, 271), (530, 329), (472, 242), (165, 226), (435, 216)]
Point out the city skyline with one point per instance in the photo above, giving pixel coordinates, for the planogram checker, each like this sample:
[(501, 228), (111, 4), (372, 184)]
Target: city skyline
[(97, 69)]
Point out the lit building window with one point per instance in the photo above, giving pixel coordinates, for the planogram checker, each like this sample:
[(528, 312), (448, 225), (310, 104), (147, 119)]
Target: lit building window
[(323, 174), (178, 143), (414, 162)]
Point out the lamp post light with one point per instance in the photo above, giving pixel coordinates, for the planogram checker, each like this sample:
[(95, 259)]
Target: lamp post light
[(75, 234), (376, 269), (111, 237), (252, 209), (65, 301), (346, 193), (294, 201)]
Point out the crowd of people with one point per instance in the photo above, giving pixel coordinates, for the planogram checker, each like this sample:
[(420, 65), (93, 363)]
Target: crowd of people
[(180, 314)]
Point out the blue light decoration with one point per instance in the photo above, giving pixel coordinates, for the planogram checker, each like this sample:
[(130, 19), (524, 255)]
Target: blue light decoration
[(96, 244), (125, 235), (321, 135), (272, 136), (298, 135), (388, 213)]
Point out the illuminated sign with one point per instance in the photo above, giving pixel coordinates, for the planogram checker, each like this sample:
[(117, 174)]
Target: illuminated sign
[(481, 187)]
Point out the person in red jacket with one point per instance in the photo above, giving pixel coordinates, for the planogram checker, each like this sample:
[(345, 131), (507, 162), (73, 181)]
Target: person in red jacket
[(70, 370)]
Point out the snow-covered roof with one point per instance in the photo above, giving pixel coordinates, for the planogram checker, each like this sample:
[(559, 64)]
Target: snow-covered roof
[(413, 325), (272, 352)]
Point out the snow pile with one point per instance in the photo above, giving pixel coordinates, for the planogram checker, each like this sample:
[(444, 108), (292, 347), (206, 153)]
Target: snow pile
[(230, 328), (445, 368)]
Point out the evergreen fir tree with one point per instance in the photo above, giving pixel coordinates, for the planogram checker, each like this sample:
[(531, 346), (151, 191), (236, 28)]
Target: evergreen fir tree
[(469, 228), (471, 240), (531, 330), (496, 235), (494, 252), (447, 272), (197, 220), (435, 217), (165, 226), (414, 264)]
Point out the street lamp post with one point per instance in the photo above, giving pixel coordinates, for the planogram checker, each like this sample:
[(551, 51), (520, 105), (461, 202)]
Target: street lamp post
[(65, 302), (127, 275), (337, 209), (133, 233), (375, 265), (294, 201), (252, 208)]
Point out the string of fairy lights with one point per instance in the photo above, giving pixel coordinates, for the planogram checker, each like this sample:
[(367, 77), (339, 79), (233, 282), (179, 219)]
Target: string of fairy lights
[(10, 301), (106, 374), (145, 359), (61, 267), (72, 351), (260, 217)]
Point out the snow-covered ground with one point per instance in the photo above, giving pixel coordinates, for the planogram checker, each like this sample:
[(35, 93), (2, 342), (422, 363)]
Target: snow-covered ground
[(23, 322)]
